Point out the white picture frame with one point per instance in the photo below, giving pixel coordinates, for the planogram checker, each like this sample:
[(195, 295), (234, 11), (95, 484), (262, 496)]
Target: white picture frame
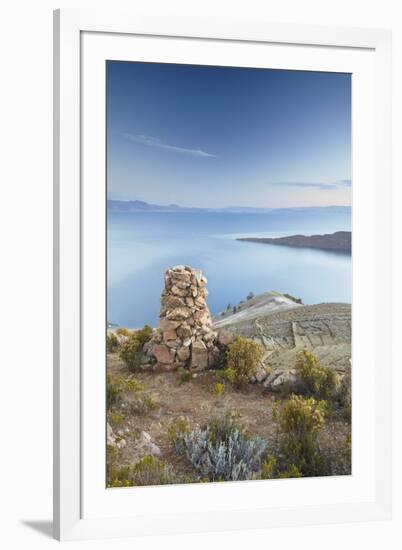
[(83, 508)]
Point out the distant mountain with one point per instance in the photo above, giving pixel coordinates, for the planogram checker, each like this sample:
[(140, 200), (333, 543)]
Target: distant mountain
[(142, 206), (341, 241)]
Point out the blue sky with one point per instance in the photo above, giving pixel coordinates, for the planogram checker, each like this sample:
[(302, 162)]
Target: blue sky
[(222, 136)]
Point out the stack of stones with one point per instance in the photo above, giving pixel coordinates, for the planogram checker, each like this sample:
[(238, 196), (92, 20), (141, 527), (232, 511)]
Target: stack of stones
[(185, 337)]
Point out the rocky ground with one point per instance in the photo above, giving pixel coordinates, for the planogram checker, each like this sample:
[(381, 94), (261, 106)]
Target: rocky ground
[(146, 432)]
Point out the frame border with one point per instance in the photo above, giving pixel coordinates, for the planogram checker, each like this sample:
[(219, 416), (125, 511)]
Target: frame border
[(68, 26)]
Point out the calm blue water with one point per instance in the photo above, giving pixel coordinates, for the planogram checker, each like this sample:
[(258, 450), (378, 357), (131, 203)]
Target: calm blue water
[(142, 245)]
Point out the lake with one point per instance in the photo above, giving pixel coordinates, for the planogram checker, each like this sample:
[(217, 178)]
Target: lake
[(141, 245)]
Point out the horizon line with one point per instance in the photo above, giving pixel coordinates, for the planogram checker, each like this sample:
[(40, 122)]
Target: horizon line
[(175, 205)]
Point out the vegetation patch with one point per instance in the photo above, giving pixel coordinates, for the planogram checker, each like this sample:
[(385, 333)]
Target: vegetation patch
[(315, 380), (243, 357), (131, 348), (221, 450)]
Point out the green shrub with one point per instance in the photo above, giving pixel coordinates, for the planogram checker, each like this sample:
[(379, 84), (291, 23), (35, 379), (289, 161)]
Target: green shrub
[(299, 422), (268, 467), (116, 387), (142, 403), (293, 471), (218, 389), (243, 357), (184, 375), (152, 471), (221, 427), (112, 343), (177, 428), (315, 380), (131, 347), (116, 418), (119, 476)]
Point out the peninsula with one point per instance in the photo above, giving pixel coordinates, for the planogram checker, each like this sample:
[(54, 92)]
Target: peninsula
[(340, 241)]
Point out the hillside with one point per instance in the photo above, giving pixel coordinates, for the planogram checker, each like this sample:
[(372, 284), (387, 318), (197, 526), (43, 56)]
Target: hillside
[(283, 328), (340, 241)]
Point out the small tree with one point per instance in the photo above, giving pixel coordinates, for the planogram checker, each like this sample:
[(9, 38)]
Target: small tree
[(316, 380), (243, 357), (131, 348), (299, 423)]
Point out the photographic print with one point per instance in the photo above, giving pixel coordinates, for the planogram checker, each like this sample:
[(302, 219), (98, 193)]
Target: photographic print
[(229, 274)]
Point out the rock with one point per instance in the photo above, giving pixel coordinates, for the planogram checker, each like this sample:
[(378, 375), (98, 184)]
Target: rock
[(280, 379), (114, 440), (184, 276), (179, 291), (199, 355), (170, 302), (166, 324), (210, 336), (169, 335), (143, 446), (225, 337), (184, 332), (261, 374), (179, 314), (163, 354), (183, 353)]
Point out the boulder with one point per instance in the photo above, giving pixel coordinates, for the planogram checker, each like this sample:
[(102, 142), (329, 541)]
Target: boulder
[(199, 355), (225, 337), (163, 354), (282, 379)]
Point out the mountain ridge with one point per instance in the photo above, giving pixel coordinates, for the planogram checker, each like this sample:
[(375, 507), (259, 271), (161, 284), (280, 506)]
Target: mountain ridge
[(143, 206)]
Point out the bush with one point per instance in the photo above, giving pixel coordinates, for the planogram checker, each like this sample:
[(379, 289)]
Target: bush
[(151, 471), (119, 476), (131, 348), (299, 422), (218, 389), (116, 418), (116, 476), (142, 404), (148, 471), (268, 467), (112, 343), (293, 471), (343, 398), (222, 451), (315, 380), (117, 387), (177, 428), (243, 357)]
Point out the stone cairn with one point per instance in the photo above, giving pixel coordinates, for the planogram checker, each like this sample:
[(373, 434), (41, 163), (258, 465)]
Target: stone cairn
[(185, 337)]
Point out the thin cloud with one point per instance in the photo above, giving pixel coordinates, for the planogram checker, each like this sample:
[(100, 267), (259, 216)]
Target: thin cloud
[(155, 142), (314, 185)]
